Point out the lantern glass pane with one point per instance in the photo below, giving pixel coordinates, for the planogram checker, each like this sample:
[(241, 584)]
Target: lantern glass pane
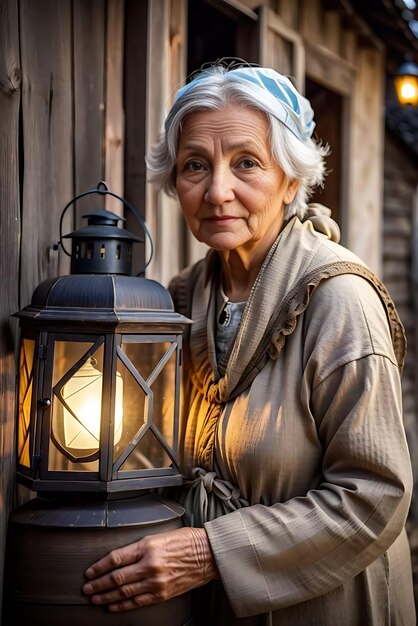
[(148, 454), (76, 407), (27, 351), (148, 405)]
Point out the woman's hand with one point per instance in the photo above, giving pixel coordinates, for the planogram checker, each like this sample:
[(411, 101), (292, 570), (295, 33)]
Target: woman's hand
[(153, 569)]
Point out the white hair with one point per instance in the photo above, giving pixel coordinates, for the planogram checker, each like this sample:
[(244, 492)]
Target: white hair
[(300, 160)]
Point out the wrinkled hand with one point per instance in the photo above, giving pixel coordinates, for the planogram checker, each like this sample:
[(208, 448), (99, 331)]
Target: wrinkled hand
[(153, 569)]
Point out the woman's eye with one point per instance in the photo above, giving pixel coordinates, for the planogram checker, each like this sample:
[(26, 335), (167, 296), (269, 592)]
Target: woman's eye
[(194, 166), (247, 164)]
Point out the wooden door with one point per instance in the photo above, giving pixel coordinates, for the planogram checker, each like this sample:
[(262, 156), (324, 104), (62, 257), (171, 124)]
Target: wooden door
[(165, 72), (218, 30), (328, 107), (281, 47)]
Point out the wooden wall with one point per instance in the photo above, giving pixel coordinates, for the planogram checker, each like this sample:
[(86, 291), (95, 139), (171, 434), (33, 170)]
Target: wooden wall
[(10, 85), (166, 72), (341, 53), (70, 133), (61, 132), (399, 240)]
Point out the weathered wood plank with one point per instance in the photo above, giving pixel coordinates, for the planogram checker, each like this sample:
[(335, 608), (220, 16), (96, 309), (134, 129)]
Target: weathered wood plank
[(135, 115), (114, 127), (47, 136), (398, 225), (332, 31), (289, 12), (281, 47), (328, 69), (393, 269), (255, 4), (89, 102), (158, 52), (365, 177), (9, 245), (310, 25), (399, 272), (188, 248), (348, 45), (163, 214), (396, 247)]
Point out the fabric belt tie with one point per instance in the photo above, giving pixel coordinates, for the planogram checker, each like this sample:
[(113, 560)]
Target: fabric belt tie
[(206, 497)]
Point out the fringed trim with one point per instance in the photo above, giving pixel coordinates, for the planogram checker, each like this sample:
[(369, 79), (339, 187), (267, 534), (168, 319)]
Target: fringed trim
[(284, 323), (298, 299)]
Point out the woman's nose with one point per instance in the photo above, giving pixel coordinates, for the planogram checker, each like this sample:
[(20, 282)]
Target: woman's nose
[(220, 186)]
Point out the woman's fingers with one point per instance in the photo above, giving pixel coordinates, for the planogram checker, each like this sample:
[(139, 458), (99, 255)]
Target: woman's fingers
[(122, 594), (153, 569), (133, 603), (116, 579), (120, 557)]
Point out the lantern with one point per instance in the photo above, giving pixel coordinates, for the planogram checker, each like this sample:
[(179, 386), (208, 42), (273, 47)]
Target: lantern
[(99, 382), (406, 83)]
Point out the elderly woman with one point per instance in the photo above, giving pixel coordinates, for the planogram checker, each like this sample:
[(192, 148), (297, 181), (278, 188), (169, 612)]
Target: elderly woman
[(298, 478)]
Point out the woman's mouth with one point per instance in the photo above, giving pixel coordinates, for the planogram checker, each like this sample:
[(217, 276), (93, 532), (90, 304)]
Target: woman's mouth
[(221, 219)]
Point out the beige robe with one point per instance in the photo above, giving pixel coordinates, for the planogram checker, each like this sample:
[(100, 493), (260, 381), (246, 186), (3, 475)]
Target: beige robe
[(294, 442)]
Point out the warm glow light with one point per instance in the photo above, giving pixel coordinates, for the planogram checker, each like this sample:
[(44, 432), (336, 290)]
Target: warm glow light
[(406, 84), (83, 394), (408, 91)]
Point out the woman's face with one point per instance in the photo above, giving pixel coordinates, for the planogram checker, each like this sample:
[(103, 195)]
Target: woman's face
[(231, 190)]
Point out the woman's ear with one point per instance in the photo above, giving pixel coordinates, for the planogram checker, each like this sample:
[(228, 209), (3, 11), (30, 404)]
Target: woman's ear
[(290, 193)]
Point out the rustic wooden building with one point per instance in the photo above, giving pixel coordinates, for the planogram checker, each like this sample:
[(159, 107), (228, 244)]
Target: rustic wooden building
[(84, 85), (400, 258)]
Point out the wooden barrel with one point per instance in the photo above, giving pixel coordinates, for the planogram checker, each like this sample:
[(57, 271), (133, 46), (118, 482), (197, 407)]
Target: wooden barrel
[(50, 545)]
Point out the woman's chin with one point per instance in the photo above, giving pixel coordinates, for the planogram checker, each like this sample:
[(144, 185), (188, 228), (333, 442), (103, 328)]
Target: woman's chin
[(222, 242)]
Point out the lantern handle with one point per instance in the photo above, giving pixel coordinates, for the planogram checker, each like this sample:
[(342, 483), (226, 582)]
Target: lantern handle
[(103, 190)]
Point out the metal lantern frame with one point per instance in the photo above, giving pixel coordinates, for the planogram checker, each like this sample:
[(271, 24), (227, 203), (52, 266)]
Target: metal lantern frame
[(105, 311)]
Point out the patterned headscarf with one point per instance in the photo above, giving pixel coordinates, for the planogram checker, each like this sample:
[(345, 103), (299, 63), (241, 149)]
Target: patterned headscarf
[(275, 91)]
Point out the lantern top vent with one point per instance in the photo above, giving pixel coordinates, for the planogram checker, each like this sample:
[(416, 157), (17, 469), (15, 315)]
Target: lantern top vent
[(102, 247), (100, 290)]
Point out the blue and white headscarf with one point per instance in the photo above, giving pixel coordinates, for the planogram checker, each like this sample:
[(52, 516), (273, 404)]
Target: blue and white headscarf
[(275, 91)]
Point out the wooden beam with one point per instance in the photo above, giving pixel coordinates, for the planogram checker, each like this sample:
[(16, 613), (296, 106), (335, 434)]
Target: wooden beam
[(114, 130), (333, 5), (135, 77), (254, 4), (166, 68), (332, 31), (329, 69), (238, 8), (46, 51), (289, 12), (365, 140), (358, 24), (10, 82), (281, 47), (310, 21), (89, 99)]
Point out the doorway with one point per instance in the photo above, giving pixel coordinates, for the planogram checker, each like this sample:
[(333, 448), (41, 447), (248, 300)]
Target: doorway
[(216, 30), (328, 108)]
